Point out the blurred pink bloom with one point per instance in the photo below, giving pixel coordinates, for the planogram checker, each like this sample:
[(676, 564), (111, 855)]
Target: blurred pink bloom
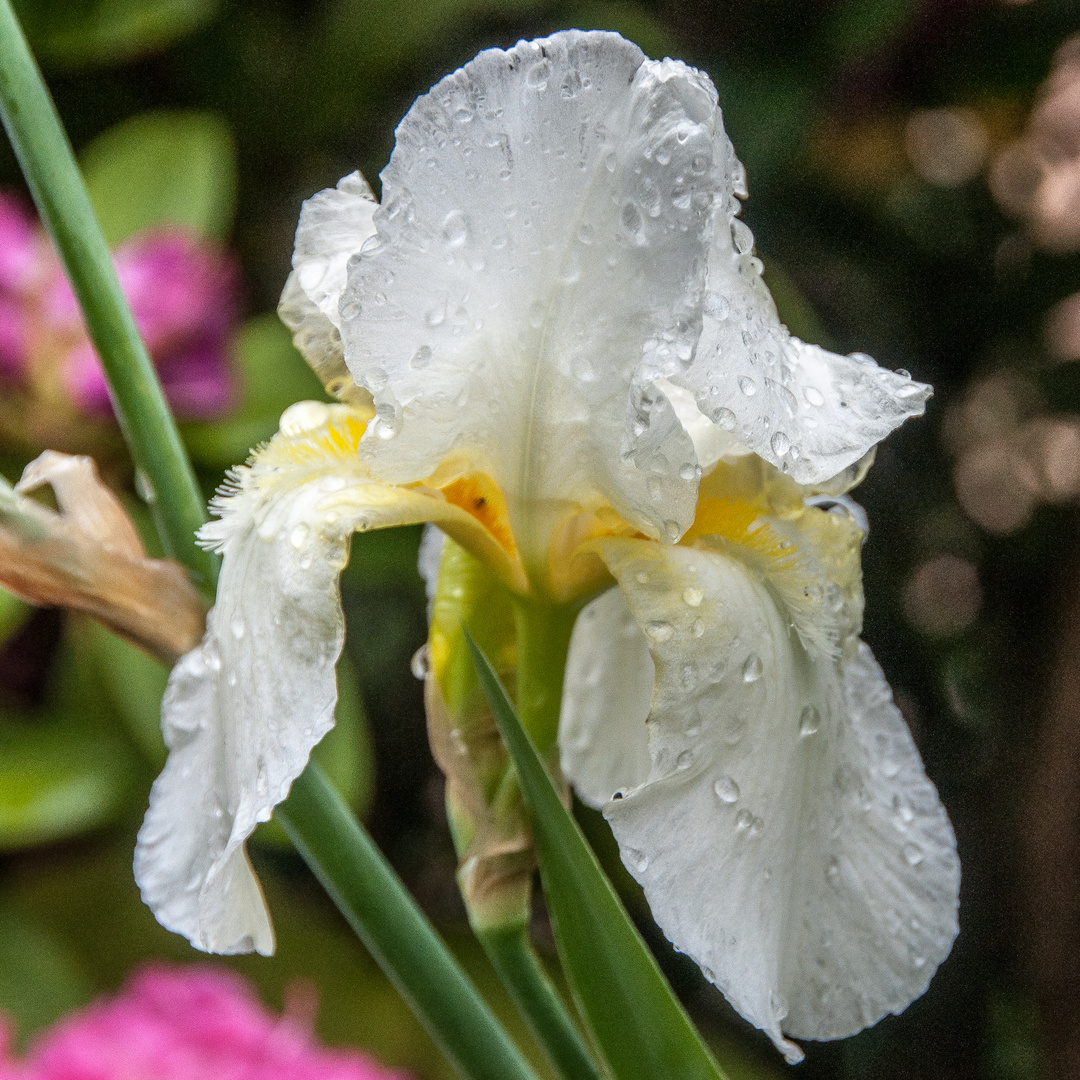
[(193, 1023), (182, 293), (19, 266)]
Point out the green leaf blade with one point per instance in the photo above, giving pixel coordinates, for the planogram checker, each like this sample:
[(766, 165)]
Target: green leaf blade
[(163, 168), (635, 1018)]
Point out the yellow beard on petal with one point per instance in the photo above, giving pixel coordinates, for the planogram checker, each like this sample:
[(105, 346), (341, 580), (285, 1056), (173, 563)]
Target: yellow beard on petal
[(333, 442), (808, 557)]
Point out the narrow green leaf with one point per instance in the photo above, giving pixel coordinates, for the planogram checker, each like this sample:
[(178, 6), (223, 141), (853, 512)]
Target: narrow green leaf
[(633, 1014), (513, 957), (162, 168), (396, 932)]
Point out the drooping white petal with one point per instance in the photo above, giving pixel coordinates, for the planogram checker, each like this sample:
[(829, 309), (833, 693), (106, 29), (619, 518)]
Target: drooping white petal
[(334, 225), (603, 744), (787, 837), (243, 710), (808, 411), (540, 258)]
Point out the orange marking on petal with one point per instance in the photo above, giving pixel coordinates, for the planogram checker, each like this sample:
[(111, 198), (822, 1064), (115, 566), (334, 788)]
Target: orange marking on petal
[(479, 496)]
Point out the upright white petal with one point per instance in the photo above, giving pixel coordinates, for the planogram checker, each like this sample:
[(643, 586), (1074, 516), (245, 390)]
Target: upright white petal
[(603, 743), (243, 710), (787, 837), (540, 258), (334, 225), (808, 411)]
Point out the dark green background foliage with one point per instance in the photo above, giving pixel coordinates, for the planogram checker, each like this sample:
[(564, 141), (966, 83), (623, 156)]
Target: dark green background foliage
[(267, 101)]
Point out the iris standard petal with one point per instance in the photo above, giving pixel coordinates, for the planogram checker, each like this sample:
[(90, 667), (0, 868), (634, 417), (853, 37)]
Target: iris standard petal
[(808, 411), (787, 837), (243, 710), (603, 743), (539, 260), (334, 225)]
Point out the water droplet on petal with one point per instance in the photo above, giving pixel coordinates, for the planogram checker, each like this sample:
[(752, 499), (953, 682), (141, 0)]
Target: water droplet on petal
[(538, 75), (639, 861), (809, 722), (298, 537), (660, 631), (752, 668), (633, 223), (455, 229), (780, 444), (672, 530), (778, 1005), (725, 419), (692, 596), (913, 854), (814, 396), (585, 233), (727, 791), (742, 238), (641, 577), (422, 357), (902, 810), (238, 627), (420, 665), (747, 385), (743, 820), (832, 867), (684, 760), (716, 306)]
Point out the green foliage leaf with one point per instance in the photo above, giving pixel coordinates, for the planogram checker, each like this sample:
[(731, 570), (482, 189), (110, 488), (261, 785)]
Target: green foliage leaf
[(77, 33), (635, 1019), (134, 683), (858, 27), (273, 375), (163, 168), (13, 612), (56, 781), (39, 979)]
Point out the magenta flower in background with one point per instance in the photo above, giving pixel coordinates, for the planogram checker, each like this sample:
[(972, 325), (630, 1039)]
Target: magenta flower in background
[(182, 290), (182, 293), (21, 266), (185, 1023)]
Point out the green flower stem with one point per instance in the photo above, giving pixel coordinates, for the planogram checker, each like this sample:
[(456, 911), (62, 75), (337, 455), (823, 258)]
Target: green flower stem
[(519, 968), (56, 184), (543, 640), (371, 896)]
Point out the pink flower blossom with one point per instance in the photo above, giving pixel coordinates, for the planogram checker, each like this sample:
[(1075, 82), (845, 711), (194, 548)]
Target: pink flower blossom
[(183, 293), (19, 265), (184, 1023)]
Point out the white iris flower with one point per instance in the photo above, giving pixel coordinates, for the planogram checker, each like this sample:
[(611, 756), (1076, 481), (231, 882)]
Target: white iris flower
[(553, 341)]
